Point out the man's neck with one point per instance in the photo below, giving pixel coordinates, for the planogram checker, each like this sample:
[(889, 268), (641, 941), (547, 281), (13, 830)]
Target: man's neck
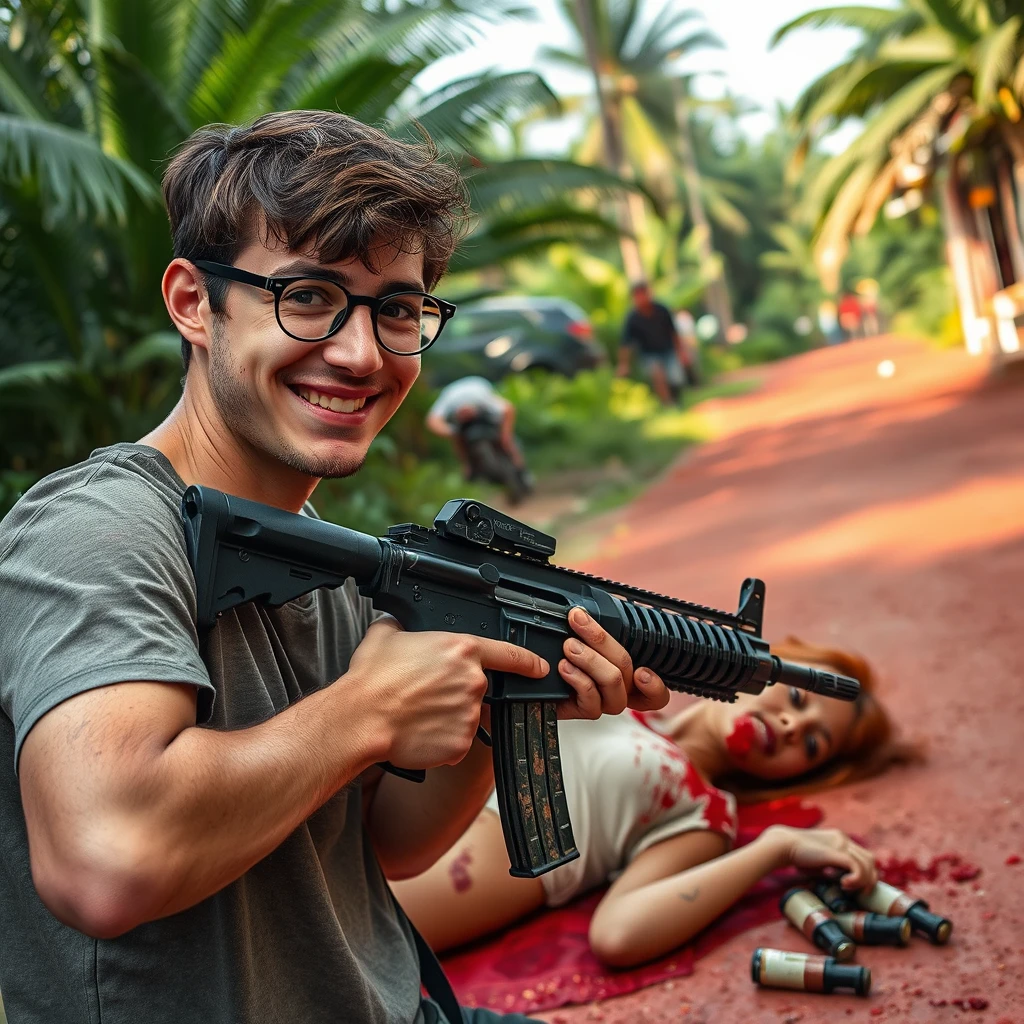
[(203, 451)]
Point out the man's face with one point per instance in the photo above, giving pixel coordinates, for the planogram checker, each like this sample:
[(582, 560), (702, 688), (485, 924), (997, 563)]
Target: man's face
[(265, 383), (642, 299)]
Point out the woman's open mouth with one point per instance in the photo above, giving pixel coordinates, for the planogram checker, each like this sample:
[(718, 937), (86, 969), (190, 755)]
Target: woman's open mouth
[(765, 735), (748, 732)]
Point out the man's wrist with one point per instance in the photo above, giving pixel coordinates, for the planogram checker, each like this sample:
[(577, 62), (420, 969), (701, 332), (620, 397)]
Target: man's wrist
[(362, 721)]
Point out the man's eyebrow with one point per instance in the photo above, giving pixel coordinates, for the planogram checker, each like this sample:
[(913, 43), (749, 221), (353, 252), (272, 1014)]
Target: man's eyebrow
[(304, 267), (299, 268)]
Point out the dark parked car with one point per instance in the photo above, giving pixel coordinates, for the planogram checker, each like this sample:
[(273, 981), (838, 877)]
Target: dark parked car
[(495, 337)]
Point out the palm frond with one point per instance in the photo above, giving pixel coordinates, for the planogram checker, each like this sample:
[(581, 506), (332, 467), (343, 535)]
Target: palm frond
[(75, 178), (36, 375), (953, 16), (159, 347), (721, 210), (197, 38), (576, 60), (242, 78), (366, 88), (929, 45), (997, 53), (871, 20), (530, 182), (872, 144), (463, 112), (666, 51), (18, 92), (500, 240)]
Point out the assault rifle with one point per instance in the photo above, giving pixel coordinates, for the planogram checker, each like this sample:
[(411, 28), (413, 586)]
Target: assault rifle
[(479, 571)]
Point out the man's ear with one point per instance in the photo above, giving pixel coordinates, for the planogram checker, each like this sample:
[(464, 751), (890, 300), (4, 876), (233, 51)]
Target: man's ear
[(187, 302)]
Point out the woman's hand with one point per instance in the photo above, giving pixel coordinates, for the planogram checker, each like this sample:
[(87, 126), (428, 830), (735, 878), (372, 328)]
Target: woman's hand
[(815, 848)]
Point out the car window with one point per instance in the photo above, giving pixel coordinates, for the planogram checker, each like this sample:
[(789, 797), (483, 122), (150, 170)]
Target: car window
[(467, 322)]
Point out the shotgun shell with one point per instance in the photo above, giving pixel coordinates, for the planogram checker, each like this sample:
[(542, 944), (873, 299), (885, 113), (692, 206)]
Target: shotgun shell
[(807, 972), (887, 899), (835, 897), (812, 917), (875, 929)]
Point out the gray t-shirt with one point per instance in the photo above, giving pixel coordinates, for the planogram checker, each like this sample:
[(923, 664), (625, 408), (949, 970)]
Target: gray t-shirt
[(95, 588)]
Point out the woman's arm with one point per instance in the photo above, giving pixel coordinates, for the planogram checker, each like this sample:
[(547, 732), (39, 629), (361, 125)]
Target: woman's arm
[(679, 886)]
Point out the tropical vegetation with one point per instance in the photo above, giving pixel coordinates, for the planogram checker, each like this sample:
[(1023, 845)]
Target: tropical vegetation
[(917, 61), (94, 96)]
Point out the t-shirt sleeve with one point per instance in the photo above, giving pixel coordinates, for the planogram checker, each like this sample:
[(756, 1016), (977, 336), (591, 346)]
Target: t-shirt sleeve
[(712, 812), (95, 589)]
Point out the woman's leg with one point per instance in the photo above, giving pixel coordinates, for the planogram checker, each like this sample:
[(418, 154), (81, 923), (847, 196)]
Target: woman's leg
[(469, 891)]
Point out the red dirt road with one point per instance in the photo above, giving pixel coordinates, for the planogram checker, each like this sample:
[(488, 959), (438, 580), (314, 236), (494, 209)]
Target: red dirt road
[(886, 515)]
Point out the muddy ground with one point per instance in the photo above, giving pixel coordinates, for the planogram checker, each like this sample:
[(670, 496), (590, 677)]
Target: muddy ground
[(886, 515)]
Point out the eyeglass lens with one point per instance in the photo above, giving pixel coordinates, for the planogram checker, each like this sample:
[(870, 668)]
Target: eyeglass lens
[(313, 309)]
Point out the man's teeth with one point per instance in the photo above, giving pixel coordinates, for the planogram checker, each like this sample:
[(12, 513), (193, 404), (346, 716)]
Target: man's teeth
[(333, 403)]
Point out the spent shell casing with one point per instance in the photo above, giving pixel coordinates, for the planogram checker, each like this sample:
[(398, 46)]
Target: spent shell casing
[(807, 972), (807, 913), (887, 899), (875, 929), (835, 897)]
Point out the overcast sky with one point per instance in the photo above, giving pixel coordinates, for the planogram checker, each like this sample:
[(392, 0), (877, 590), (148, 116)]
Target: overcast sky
[(744, 26)]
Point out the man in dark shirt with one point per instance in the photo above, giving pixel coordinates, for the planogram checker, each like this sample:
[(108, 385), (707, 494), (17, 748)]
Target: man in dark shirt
[(651, 332)]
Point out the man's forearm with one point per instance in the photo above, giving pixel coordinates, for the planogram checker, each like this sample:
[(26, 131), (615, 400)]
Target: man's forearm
[(413, 824), (207, 807)]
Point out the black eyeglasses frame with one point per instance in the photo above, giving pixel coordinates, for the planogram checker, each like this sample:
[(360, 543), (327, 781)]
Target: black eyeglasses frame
[(277, 286)]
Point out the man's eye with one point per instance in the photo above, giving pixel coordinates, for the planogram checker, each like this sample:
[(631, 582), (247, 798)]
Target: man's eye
[(306, 297), (395, 311), (811, 746), (796, 696)]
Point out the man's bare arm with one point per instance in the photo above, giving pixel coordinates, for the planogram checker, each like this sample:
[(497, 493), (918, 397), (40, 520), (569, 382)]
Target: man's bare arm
[(134, 813)]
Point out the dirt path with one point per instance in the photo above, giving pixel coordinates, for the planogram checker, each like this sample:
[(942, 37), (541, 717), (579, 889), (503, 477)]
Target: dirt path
[(886, 515)]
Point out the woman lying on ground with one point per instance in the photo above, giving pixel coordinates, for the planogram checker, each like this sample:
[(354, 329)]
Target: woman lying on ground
[(648, 816)]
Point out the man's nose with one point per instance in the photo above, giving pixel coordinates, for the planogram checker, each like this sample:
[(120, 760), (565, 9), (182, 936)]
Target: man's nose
[(354, 348)]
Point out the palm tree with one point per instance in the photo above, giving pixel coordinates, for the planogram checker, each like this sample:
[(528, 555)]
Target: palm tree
[(95, 96), (643, 100), (918, 65)]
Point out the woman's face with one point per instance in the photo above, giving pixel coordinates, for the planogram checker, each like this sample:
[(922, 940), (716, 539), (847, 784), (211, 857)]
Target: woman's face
[(783, 732)]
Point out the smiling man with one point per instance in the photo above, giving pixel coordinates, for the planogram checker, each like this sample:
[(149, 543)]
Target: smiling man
[(194, 828)]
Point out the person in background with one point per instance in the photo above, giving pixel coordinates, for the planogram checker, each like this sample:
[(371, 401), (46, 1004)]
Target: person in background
[(651, 332), (468, 399), (828, 322), (686, 328), (850, 316), (868, 292)]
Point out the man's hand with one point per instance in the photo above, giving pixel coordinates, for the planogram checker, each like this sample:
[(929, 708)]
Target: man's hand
[(427, 688), (601, 673)]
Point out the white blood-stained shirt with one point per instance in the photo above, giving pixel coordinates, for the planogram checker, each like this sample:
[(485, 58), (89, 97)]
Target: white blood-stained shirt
[(627, 787)]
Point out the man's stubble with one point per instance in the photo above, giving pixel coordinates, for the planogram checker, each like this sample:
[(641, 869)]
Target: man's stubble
[(239, 410)]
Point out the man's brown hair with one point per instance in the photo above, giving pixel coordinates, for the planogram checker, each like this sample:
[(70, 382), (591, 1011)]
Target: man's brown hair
[(319, 182)]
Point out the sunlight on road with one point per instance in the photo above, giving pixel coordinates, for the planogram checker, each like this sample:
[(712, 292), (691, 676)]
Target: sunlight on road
[(984, 513)]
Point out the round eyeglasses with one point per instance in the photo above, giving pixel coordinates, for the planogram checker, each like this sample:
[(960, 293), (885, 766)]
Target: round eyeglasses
[(314, 308)]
